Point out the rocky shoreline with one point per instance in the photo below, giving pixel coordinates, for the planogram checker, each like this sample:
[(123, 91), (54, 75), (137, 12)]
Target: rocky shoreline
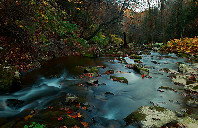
[(156, 116)]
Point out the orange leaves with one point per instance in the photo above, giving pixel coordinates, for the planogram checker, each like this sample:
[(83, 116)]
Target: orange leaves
[(75, 115), (185, 45), (27, 117), (60, 118), (84, 108), (85, 124), (79, 115)]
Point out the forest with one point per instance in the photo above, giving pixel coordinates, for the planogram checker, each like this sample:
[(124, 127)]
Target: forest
[(47, 44)]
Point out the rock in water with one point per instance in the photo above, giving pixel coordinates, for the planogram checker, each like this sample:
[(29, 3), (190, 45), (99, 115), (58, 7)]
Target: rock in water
[(151, 116), (92, 82), (14, 103)]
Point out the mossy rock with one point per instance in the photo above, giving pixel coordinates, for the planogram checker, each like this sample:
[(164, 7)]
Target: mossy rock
[(166, 69), (157, 108), (70, 122), (166, 88), (137, 60), (9, 79), (135, 117), (195, 88), (135, 57), (182, 55), (120, 79), (140, 70), (91, 70), (109, 72), (171, 124)]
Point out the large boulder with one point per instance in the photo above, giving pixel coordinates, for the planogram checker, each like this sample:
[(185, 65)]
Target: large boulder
[(158, 117), (179, 79), (188, 122), (192, 102), (191, 87), (139, 69), (186, 69), (151, 116)]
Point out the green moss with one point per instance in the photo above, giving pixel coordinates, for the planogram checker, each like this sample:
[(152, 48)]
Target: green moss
[(70, 122), (135, 57), (182, 55), (167, 88), (81, 99), (137, 60), (138, 69), (135, 117), (91, 70), (196, 87), (120, 79), (144, 69), (157, 108)]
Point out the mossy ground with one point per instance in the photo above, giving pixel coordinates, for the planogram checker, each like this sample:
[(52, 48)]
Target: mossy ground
[(7, 78), (134, 117), (157, 108)]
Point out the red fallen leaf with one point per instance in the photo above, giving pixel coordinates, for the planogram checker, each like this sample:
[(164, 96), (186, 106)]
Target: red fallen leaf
[(143, 76), (78, 105), (50, 107), (75, 126), (69, 112), (73, 116), (60, 118), (114, 79)]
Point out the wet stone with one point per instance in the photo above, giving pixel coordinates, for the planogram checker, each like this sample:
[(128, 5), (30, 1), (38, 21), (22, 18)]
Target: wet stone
[(14, 103)]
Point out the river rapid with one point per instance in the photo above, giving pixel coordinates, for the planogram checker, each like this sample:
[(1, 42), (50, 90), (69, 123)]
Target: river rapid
[(42, 85)]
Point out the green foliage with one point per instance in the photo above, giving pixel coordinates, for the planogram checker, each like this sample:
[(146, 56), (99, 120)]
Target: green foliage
[(34, 125), (116, 39), (196, 87), (100, 39), (91, 70)]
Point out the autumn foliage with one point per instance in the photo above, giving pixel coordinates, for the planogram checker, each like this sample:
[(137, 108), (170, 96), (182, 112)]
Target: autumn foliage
[(185, 45)]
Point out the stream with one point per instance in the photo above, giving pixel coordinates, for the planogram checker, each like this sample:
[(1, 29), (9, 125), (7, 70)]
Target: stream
[(108, 110)]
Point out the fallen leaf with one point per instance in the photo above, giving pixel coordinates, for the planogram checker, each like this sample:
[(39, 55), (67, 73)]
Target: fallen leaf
[(85, 124), (27, 117)]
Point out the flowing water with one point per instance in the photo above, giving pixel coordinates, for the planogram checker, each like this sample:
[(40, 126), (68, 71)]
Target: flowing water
[(41, 87)]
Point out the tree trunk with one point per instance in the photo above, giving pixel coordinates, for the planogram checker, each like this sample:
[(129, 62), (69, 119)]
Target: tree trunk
[(125, 42), (162, 22)]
